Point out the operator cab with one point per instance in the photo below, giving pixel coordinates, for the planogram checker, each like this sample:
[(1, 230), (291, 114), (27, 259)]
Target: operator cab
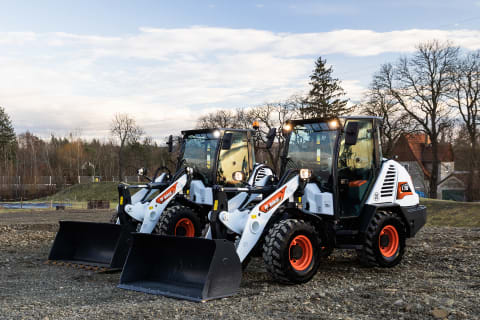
[(341, 156), (201, 149)]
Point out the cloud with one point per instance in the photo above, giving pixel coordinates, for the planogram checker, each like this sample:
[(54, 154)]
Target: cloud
[(58, 82)]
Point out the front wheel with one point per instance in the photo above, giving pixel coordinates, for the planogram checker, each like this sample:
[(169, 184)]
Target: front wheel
[(292, 251), (384, 241), (179, 220)]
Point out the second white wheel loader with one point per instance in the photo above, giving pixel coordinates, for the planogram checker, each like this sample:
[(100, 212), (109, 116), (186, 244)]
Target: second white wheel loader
[(336, 191), (169, 204)]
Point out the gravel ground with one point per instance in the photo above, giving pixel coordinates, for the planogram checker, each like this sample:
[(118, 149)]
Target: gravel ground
[(438, 278)]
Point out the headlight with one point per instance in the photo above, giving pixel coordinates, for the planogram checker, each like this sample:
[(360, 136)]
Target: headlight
[(216, 134), (333, 124), (305, 174), (189, 170), (238, 176), (287, 127)]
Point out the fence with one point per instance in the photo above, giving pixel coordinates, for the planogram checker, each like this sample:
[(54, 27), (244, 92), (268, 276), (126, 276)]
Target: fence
[(58, 180)]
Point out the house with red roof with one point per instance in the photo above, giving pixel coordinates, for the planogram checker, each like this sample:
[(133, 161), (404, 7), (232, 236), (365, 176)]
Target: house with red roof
[(414, 152)]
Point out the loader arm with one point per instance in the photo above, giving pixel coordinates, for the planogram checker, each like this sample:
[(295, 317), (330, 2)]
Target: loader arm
[(154, 209), (133, 206), (255, 220)]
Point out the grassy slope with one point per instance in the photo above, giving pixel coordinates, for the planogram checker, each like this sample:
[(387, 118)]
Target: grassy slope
[(90, 191), (452, 213)]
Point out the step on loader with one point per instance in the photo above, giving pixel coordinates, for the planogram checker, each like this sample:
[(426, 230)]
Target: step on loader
[(170, 204), (336, 191)]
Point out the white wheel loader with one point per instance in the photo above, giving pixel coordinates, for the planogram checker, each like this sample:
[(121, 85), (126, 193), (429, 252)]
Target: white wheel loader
[(169, 204), (336, 191)]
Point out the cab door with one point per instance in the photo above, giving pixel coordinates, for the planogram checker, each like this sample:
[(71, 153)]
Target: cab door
[(234, 159), (356, 168)]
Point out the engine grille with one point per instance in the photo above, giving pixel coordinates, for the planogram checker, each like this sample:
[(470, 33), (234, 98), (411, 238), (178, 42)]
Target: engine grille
[(388, 186), (262, 172)]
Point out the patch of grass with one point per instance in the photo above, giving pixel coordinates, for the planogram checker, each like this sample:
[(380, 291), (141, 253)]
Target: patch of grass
[(88, 191), (452, 213)]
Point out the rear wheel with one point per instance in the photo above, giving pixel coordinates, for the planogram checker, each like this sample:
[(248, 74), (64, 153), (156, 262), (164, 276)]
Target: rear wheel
[(385, 241), (179, 220), (292, 251)]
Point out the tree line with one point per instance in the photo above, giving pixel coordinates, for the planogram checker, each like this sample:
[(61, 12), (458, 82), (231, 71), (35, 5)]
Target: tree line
[(27, 161)]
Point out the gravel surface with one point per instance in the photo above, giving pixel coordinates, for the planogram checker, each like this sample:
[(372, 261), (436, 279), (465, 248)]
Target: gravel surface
[(438, 278)]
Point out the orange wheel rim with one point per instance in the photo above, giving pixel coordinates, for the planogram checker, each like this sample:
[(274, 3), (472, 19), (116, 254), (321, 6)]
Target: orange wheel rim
[(388, 241), (185, 228), (300, 253)]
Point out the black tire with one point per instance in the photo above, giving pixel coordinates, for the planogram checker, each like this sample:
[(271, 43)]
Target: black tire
[(277, 251), (376, 245), (170, 222)]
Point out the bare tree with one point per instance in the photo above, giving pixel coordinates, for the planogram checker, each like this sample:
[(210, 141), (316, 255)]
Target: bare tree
[(465, 99), (273, 115), (218, 119), (269, 115), (125, 130), (420, 84), (379, 102)]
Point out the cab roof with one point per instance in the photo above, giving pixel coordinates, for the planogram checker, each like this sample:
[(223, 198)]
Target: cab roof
[(317, 120), (195, 131)]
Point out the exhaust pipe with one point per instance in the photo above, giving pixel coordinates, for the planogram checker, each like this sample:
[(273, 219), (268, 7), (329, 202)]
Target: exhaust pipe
[(188, 268)]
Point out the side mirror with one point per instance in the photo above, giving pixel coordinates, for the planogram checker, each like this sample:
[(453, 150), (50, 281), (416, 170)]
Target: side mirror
[(271, 137), (227, 141), (142, 172), (351, 133), (170, 143)]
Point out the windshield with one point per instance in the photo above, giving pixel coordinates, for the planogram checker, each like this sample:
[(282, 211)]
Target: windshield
[(199, 153), (312, 146)]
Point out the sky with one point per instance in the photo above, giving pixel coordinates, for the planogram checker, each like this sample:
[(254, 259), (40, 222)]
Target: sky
[(69, 66)]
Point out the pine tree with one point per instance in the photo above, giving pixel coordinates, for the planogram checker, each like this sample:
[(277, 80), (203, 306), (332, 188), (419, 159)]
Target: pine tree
[(326, 98), (8, 139)]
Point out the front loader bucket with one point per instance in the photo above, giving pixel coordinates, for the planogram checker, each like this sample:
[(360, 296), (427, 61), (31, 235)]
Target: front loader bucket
[(91, 244), (189, 268)]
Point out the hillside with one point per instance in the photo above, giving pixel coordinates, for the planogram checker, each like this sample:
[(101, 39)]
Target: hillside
[(90, 191)]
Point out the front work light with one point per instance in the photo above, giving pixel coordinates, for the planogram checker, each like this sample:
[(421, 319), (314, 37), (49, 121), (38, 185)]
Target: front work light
[(287, 127), (238, 176), (305, 174), (333, 124), (216, 134)]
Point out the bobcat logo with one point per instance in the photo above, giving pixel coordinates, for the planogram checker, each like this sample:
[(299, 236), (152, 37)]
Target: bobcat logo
[(274, 200), (167, 194), (403, 190)]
